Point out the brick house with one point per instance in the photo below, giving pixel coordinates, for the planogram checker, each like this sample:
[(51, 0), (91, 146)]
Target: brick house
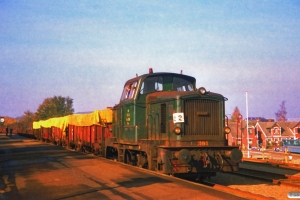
[(232, 137), (295, 128), (265, 134), (238, 135)]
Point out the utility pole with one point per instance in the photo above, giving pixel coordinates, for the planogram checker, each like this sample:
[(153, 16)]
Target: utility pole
[(241, 121), (237, 131), (1, 121), (247, 120)]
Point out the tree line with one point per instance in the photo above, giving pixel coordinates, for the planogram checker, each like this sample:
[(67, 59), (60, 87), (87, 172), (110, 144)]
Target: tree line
[(280, 115), (56, 106)]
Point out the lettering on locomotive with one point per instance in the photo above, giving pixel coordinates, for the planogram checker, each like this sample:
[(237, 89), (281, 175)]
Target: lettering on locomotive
[(202, 143), (178, 118)]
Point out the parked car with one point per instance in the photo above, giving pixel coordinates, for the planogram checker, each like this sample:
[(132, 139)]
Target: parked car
[(276, 149)]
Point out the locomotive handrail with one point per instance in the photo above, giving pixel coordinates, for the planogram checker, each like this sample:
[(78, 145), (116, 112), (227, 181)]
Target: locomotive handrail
[(156, 125), (226, 120), (148, 126)]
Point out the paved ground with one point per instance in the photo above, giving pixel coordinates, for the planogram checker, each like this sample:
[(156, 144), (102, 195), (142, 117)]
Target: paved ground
[(271, 155), (30, 169)]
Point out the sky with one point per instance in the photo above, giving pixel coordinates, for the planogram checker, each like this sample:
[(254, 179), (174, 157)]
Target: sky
[(88, 49)]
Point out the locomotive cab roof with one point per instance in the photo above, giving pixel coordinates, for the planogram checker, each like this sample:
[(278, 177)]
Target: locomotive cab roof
[(162, 82), (157, 82), (170, 74)]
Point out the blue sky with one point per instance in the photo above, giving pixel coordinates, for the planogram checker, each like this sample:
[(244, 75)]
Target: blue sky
[(88, 49)]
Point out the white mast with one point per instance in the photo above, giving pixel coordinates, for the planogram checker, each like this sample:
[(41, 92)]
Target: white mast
[(247, 122)]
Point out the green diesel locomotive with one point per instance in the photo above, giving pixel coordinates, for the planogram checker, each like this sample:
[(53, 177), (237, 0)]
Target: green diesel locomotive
[(164, 123)]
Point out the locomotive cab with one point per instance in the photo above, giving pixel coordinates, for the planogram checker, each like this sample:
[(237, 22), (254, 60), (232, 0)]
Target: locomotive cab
[(164, 123)]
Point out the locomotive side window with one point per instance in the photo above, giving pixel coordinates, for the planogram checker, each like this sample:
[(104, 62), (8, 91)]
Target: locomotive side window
[(180, 84), (129, 91), (152, 84)]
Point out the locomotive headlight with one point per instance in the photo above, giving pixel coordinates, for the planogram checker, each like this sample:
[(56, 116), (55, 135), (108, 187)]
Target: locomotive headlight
[(227, 130), (202, 90), (177, 130)]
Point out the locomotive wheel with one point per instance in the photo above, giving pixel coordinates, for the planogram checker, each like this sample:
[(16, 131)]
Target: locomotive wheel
[(111, 153), (220, 161), (152, 164), (96, 152), (142, 161), (128, 158)]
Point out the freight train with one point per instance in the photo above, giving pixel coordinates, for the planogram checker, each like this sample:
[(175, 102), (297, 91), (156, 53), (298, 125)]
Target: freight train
[(162, 123)]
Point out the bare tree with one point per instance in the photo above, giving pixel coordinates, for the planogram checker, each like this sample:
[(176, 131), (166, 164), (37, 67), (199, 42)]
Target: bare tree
[(281, 113), (235, 115), (25, 123)]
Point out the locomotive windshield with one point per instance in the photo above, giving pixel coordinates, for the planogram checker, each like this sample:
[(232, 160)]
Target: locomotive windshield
[(160, 82), (166, 83), (152, 84), (180, 84), (129, 91)]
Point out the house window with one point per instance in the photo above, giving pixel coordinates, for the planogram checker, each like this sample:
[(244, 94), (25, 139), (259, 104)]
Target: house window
[(295, 142), (239, 140), (276, 131), (298, 130), (250, 130)]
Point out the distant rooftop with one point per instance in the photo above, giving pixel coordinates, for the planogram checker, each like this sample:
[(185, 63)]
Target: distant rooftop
[(263, 119), (293, 119)]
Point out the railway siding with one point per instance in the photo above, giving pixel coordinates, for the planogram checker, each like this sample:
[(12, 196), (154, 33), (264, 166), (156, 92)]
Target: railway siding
[(275, 173), (273, 180), (269, 167)]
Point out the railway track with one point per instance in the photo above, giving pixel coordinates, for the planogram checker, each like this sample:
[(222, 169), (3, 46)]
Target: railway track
[(259, 181), (277, 174)]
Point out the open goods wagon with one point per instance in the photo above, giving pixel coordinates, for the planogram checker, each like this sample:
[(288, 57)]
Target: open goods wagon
[(83, 132)]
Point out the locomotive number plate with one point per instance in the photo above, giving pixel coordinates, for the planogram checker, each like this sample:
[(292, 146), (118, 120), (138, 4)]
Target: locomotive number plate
[(202, 143)]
